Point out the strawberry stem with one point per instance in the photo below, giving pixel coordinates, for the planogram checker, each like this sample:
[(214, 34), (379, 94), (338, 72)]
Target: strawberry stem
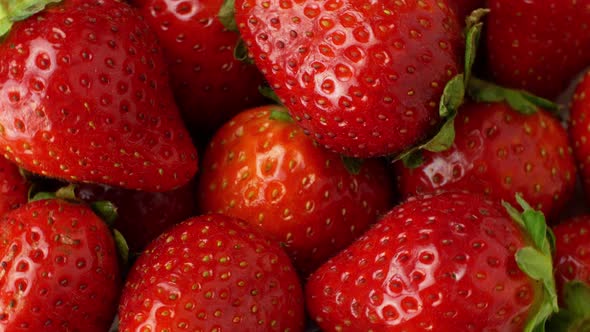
[(17, 10)]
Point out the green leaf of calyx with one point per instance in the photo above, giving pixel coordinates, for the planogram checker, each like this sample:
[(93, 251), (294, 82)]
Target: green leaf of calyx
[(122, 247), (280, 114), (539, 267), (67, 192), (452, 98), (241, 52), (226, 15), (17, 10), (413, 159), (536, 260), (473, 28), (450, 101), (519, 100), (106, 210), (574, 316), (269, 93), (352, 165), (42, 195)]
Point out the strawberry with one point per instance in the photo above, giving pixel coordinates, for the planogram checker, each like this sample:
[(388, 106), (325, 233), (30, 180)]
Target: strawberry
[(498, 151), (212, 273), (152, 213), (578, 129), (209, 84), (572, 274), (14, 187), (84, 96), (363, 78), (450, 262), (262, 168), (59, 269), (572, 255), (538, 46)]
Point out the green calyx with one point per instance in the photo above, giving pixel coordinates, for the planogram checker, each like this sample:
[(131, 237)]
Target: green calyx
[(536, 260), (17, 10), (226, 15), (519, 100), (575, 314), (352, 165), (452, 98)]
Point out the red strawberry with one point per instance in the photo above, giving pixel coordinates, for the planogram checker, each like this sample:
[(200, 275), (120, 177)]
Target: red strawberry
[(572, 255), (14, 188), (538, 46), (84, 96), (210, 85), (142, 216), (498, 151), (439, 263), (263, 169), (212, 273), (572, 274), (579, 124), (364, 78), (59, 269)]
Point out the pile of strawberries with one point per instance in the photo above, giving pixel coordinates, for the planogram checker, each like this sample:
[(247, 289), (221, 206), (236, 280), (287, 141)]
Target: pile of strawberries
[(294, 165)]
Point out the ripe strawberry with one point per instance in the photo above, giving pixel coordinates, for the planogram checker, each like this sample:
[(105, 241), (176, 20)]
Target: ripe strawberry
[(14, 188), (212, 273), (579, 124), (84, 96), (59, 269), (572, 255), (538, 46), (572, 274), (209, 84), (498, 151), (439, 263), (152, 213), (363, 78), (261, 167)]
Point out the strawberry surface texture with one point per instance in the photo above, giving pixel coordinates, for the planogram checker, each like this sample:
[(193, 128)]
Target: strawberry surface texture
[(363, 78), (294, 165), (85, 97)]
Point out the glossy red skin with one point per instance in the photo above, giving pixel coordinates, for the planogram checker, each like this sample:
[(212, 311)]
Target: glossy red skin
[(60, 268), (300, 194), (578, 129), (464, 7), (572, 251), (539, 45), (14, 188), (442, 263), (367, 84), (142, 216), (212, 272), (209, 83), (84, 96), (499, 152)]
